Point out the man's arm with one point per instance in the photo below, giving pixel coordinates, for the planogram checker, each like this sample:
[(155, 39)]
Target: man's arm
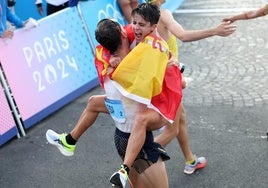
[(39, 6), (249, 15), (13, 18)]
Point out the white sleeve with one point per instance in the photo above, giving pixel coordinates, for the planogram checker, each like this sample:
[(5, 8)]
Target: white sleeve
[(38, 1)]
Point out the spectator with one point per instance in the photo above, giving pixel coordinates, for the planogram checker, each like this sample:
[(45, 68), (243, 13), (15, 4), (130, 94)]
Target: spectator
[(11, 3), (126, 7), (52, 6), (7, 15), (73, 3), (262, 11)]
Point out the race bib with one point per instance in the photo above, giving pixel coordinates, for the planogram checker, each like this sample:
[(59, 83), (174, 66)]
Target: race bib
[(115, 108)]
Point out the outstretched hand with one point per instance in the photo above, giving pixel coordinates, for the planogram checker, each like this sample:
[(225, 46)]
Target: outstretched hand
[(228, 20), (225, 29)]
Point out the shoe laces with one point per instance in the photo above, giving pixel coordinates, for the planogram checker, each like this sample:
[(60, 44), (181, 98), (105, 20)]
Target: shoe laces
[(123, 171)]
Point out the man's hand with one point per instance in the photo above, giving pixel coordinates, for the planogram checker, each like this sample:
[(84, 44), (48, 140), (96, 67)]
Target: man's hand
[(24, 23), (172, 61), (8, 34), (114, 61), (228, 20)]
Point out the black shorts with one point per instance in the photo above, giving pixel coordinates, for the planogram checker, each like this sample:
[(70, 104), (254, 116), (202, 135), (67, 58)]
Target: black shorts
[(149, 154), (52, 8)]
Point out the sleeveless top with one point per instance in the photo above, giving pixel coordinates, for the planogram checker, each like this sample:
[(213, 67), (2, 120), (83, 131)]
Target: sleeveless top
[(130, 106), (173, 46)]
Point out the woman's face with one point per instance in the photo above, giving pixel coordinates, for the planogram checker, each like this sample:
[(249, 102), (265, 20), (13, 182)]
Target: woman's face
[(141, 27)]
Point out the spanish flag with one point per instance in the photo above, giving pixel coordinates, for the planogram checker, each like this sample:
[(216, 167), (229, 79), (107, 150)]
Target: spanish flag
[(168, 101), (147, 77), (102, 57), (141, 73)]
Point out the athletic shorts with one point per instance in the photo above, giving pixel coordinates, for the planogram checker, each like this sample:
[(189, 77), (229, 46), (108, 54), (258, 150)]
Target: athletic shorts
[(149, 154)]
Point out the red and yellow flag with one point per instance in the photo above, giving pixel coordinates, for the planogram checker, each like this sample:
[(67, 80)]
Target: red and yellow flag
[(168, 101), (102, 57), (144, 76), (140, 74)]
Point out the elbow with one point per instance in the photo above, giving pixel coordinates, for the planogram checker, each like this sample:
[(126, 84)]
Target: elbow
[(184, 39)]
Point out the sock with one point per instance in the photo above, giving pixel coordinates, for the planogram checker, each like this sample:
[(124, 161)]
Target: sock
[(192, 162), (70, 140), (126, 168)]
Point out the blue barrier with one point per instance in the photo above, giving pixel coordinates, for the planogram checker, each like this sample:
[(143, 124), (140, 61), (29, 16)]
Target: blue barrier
[(93, 9), (25, 9), (54, 65)]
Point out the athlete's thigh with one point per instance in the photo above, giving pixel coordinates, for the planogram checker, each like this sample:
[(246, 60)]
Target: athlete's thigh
[(154, 120), (153, 177)]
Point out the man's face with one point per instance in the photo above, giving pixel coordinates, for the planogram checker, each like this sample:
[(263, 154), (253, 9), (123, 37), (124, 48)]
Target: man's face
[(141, 27)]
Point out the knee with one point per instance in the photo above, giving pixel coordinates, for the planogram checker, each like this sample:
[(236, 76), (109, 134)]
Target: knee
[(91, 103), (141, 120), (91, 100), (171, 131), (183, 118)]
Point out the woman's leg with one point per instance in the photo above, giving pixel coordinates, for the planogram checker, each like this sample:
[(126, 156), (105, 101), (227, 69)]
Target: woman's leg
[(154, 176), (95, 106)]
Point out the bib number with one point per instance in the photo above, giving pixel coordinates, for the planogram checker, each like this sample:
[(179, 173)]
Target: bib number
[(116, 110)]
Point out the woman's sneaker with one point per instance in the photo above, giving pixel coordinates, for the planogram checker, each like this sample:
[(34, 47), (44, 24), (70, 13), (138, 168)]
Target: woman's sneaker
[(59, 140), (200, 162)]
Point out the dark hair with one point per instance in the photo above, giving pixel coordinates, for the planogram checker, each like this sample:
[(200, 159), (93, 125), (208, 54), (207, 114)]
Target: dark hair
[(108, 34), (11, 3), (148, 11)]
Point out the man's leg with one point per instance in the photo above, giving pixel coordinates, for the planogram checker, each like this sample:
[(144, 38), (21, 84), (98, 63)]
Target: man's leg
[(66, 143), (145, 119), (151, 155), (95, 106)]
